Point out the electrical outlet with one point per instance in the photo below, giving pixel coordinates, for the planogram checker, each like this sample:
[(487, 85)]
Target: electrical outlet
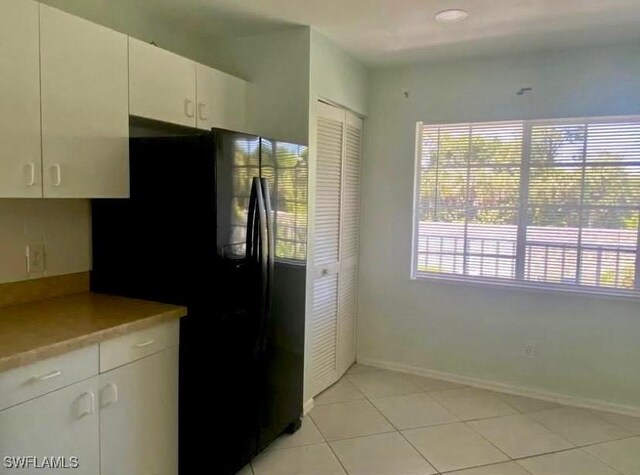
[(35, 259), (530, 350)]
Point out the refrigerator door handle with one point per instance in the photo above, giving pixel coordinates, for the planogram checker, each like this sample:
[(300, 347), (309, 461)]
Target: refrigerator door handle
[(251, 218), (258, 254), (263, 242), (271, 251)]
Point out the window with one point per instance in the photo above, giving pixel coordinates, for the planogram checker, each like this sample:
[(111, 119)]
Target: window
[(544, 203)]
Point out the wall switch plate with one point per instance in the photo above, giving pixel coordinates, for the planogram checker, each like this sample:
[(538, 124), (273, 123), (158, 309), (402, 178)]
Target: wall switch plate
[(35, 259)]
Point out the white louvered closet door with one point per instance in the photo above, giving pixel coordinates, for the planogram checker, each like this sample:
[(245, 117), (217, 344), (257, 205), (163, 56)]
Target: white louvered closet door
[(324, 371), (349, 244), (335, 245)]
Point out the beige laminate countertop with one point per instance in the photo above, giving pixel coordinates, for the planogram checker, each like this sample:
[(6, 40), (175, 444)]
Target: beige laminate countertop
[(37, 330)]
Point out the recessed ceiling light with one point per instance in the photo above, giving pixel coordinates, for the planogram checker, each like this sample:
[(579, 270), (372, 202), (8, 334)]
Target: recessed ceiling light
[(453, 15)]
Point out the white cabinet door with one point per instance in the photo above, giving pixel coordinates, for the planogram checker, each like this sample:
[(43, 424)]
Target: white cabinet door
[(20, 156), (162, 84), (85, 108), (63, 423), (222, 100), (139, 417)]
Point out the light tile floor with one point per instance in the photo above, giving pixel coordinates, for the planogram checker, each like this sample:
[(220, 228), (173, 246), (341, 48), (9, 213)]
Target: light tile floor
[(377, 422)]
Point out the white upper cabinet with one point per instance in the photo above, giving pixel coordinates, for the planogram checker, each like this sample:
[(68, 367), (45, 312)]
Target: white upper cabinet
[(85, 116), (222, 100), (67, 88), (162, 84), (20, 158)]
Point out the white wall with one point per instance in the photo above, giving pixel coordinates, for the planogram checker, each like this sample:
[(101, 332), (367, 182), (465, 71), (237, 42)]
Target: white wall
[(277, 65), (586, 347), (63, 225), (124, 16), (336, 76)]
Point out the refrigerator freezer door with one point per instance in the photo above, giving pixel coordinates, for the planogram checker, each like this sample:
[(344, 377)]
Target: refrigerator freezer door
[(237, 163)]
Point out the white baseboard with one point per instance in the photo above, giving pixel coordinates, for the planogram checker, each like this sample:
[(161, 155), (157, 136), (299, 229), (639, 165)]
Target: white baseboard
[(505, 388), (307, 406)]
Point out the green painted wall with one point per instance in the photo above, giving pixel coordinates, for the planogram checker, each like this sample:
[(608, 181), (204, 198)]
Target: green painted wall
[(337, 76), (586, 347)]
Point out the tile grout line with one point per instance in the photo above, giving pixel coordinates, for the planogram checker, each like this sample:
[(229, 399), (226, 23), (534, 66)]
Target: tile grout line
[(398, 431), (475, 432), (421, 390), (460, 421), (512, 459), (520, 413), (596, 415), (337, 458), (464, 422), (525, 414), (574, 446), (486, 465), (580, 449), (328, 445), (618, 472)]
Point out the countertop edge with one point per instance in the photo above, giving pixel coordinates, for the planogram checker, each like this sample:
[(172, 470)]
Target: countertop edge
[(65, 346)]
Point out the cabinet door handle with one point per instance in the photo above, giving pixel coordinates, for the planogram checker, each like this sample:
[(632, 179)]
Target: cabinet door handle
[(188, 108), (57, 181), (202, 109), (144, 343), (109, 395), (31, 173), (48, 376), (86, 404)]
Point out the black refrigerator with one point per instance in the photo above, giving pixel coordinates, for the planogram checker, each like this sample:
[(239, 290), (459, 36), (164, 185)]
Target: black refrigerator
[(217, 222)]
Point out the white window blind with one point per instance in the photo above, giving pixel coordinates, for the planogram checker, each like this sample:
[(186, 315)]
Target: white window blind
[(544, 203)]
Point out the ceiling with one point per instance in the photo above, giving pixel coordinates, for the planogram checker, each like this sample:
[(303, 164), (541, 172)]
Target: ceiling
[(391, 31)]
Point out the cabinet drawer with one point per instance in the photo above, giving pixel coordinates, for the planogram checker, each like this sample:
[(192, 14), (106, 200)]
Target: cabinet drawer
[(27, 382), (131, 347)]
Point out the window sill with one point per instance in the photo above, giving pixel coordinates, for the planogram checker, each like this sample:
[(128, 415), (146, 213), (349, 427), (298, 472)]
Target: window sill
[(590, 292)]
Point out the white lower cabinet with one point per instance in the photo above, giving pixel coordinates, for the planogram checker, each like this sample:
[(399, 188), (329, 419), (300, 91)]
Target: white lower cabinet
[(61, 427), (60, 412), (139, 417)]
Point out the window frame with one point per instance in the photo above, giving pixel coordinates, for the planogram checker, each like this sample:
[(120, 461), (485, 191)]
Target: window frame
[(515, 283)]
